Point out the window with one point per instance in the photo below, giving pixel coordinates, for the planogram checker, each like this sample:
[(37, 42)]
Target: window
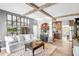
[(8, 17), (14, 18), (18, 19), (14, 24), (28, 22), (22, 20)]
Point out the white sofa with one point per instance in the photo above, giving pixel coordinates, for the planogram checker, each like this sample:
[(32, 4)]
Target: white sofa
[(14, 43)]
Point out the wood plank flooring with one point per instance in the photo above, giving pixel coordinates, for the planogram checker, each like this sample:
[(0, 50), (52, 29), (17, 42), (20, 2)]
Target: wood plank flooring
[(62, 49)]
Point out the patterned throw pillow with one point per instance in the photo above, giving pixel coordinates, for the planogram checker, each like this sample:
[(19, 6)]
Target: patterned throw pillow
[(14, 41), (22, 38)]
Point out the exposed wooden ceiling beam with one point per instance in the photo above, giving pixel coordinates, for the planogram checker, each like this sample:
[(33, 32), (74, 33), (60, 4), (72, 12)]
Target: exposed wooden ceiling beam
[(32, 5), (41, 10), (45, 13), (74, 14), (41, 7)]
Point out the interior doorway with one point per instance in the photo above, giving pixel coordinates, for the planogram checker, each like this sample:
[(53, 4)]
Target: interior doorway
[(57, 30)]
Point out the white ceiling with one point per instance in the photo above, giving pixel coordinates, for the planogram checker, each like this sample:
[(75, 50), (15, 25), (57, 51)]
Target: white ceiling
[(19, 8), (39, 4), (37, 14), (63, 9), (59, 9)]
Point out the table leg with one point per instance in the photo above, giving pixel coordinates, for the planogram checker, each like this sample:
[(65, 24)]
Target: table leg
[(33, 52), (43, 46), (25, 47)]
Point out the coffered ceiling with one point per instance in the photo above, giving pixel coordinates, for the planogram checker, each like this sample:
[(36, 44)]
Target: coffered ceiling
[(43, 10)]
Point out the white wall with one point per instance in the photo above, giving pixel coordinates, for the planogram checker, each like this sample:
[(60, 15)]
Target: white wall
[(35, 28), (2, 27)]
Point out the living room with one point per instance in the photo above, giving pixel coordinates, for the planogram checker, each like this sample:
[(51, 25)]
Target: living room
[(38, 29)]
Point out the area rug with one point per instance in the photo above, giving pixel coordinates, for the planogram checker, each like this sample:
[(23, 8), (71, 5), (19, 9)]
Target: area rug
[(39, 52)]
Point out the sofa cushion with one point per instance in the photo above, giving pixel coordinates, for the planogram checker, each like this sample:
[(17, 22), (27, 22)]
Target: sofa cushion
[(22, 39), (27, 38), (9, 38), (15, 39)]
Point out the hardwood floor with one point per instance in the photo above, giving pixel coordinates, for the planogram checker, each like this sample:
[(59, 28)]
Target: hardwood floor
[(62, 49)]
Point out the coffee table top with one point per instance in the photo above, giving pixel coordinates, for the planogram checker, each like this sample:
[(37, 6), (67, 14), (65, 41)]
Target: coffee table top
[(37, 43)]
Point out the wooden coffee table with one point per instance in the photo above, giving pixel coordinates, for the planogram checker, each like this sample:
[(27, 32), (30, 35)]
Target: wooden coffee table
[(34, 46)]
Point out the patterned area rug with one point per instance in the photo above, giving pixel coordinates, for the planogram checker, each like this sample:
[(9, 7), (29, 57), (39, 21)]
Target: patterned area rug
[(39, 52)]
